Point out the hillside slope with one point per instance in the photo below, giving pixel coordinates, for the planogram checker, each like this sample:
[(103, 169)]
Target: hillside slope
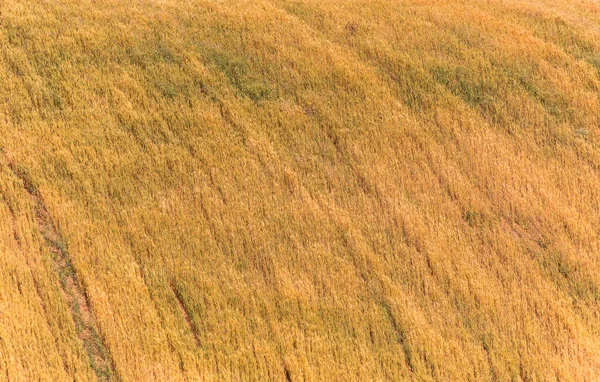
[(300, 190)]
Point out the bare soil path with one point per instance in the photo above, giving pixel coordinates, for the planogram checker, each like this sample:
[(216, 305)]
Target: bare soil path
[(71, 287)]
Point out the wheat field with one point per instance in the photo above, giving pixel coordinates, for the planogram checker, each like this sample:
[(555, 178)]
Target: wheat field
[(299, 190)]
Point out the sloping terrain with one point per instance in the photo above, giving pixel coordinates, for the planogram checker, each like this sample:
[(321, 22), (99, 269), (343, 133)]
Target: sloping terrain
[(300, 190)]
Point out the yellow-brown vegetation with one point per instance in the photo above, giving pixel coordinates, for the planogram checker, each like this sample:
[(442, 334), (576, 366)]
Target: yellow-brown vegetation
[(300, 190)]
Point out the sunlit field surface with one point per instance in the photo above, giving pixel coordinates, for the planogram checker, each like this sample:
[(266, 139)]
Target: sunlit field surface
[(300, 190)]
